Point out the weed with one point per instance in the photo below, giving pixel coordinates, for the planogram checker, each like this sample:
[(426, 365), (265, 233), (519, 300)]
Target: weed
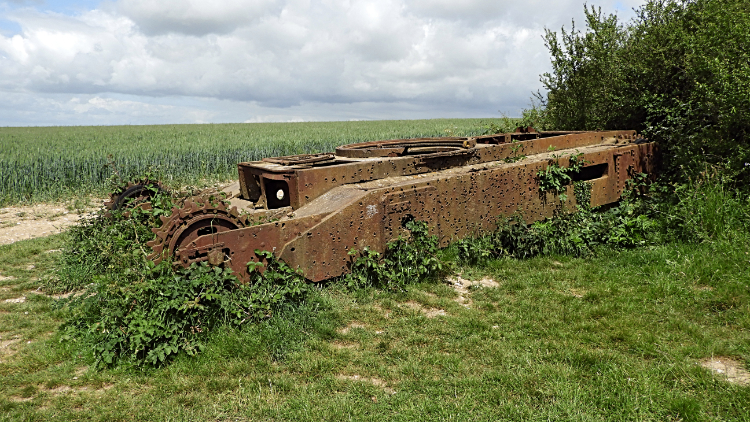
[(107, 244), (554, 177), (629, 224), (169, 310), (514, 157), (582, 193), (708, 210), (705, 210), (278, 284), (132, 311), (405, 261)]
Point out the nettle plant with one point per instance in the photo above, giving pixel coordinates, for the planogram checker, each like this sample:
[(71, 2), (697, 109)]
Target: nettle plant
[(131, 310), (406, 260), (169, 310), (555, 178)]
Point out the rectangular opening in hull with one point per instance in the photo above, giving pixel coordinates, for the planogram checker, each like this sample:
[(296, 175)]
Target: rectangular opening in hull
[(277, 193), (591, 172)]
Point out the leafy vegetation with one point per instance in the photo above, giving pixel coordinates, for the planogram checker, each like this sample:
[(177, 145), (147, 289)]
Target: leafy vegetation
[(679, 72), (110, 244), (405, 261), (554, 178), (127, 310), (708, 209), (631, 223), (598, 313), (168, 311)]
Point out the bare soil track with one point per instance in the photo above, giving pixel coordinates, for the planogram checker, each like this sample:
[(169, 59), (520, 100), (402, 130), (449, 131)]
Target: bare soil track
[(26, 222)]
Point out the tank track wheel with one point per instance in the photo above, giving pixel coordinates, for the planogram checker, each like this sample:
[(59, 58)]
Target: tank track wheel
[(198, 216), (132, 193)]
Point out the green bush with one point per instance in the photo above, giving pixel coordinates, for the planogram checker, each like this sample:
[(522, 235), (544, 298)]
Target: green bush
[(634, 221), (554, 178), (706, 209), (405, 261), (108, 243), (709, 210), (169, 311), (627, 225), (128, 310), (679, 72)]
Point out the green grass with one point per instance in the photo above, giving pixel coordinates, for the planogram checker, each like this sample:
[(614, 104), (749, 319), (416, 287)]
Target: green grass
[(53, 163), (614, 337)]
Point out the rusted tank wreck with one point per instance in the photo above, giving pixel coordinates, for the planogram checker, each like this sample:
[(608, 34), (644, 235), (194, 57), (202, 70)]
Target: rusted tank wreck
[(313, 209)]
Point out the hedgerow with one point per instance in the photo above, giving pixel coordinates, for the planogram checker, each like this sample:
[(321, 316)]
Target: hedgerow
[(679, 72)]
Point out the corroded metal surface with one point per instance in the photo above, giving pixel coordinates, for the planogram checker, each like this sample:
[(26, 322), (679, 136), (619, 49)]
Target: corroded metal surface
[(197, 217), (323, 205), (133, 193)]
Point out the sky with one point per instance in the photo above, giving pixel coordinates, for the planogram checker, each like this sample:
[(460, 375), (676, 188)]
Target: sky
[(89, 62)]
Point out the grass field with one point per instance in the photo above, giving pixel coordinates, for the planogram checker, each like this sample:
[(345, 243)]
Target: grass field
[(53, 163), (616, 337)]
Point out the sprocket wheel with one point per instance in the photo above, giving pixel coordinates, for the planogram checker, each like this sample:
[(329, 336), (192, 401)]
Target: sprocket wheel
[(132, 193), (197, 217)]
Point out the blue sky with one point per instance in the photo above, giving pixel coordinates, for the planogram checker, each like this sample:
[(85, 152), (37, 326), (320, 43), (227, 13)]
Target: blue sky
[(194, 61)]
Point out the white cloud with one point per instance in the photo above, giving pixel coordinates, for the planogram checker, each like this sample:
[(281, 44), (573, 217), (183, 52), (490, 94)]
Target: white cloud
[(99, 105), (195, 17), (285, 59), (474, 10)]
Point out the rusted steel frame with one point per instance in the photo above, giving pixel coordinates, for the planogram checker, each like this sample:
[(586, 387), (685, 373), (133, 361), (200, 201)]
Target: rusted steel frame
[(291, 160), (239, 249), (398, 147), (454, 201), (304, 184)]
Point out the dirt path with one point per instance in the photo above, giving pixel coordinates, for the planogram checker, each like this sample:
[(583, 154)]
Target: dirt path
[(20, 223)]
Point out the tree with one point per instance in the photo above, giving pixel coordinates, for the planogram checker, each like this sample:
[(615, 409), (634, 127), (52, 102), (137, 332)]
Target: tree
[(679, 72)]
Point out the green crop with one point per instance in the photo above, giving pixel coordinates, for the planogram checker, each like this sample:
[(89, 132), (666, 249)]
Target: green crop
[(52, 163)]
